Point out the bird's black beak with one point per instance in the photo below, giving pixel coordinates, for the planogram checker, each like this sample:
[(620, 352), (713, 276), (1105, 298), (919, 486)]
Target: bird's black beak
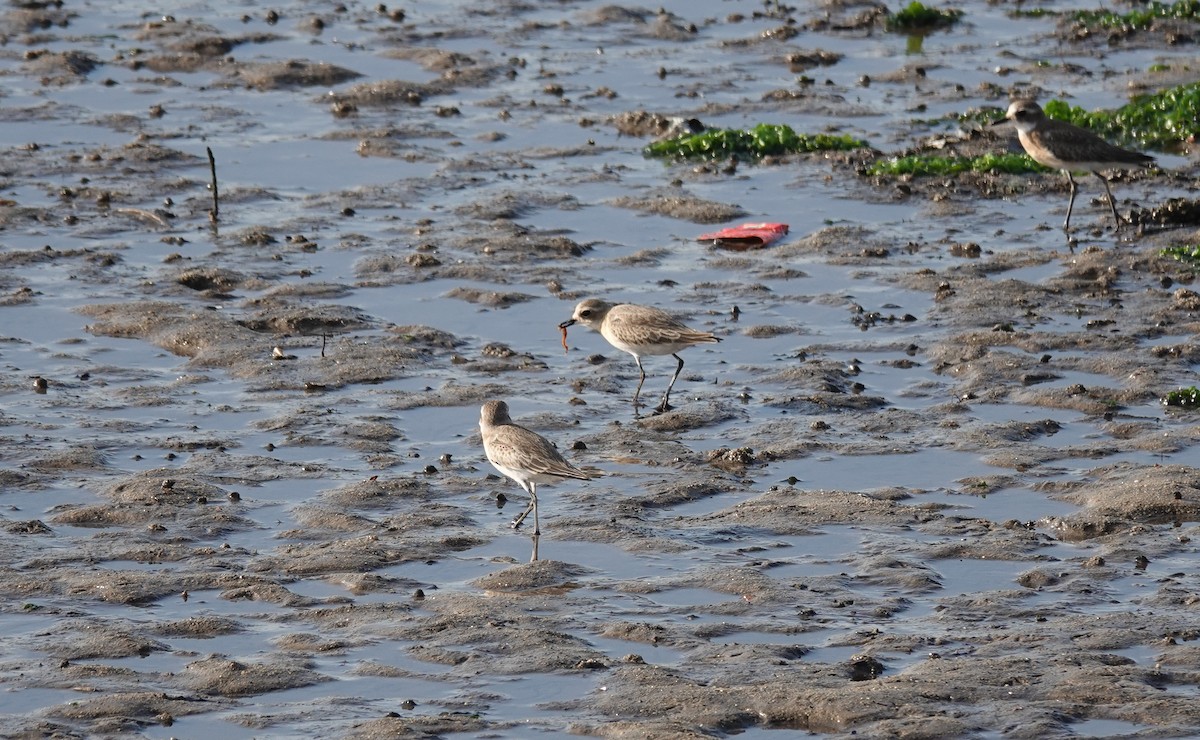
[(999, 122), (565, 324)]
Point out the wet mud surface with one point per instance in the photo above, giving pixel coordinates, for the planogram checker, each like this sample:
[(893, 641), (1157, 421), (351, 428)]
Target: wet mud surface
[(925, 487)]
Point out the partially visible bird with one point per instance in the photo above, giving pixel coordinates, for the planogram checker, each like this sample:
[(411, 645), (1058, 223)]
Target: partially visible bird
[(1069, 148), (640, 330), (524, 456)]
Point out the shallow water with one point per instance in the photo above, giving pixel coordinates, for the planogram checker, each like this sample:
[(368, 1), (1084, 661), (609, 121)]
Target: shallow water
[(688, 565)]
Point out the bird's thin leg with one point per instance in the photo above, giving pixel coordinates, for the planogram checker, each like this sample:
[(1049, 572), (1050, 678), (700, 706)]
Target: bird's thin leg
[(637, 393), (1111, 203), (516, 523), (537, 528), (1070, 203), (666, 405)]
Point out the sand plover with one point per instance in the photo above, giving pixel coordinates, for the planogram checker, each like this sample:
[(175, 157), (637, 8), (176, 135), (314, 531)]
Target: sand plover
[(1067, 147), (640, 330), (524, 456)]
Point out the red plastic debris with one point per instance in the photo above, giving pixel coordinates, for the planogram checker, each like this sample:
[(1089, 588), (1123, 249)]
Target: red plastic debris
[(746, 236)]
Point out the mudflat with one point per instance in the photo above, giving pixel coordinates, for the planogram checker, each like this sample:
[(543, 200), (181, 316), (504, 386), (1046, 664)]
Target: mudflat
[(925, 486)]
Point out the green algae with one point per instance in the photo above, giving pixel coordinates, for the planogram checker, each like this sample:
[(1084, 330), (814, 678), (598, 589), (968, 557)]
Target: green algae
[(916, 17), (1188, 255), (763, 140), (1188, 398), (925, 165), (1140, 19), (1034, 13), (1163, 120)]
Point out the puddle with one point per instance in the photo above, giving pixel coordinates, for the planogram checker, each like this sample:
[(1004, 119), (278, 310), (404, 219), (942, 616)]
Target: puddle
[(653, 654), (1033, 273), (926, 469), (1107, 728), (688, 597), (1143, 655), (979, 576), (1022, 504), (18, 700)]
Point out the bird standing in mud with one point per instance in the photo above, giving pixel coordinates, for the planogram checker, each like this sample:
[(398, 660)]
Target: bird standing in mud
[(524, 456), (640, 330), (1069, 148)]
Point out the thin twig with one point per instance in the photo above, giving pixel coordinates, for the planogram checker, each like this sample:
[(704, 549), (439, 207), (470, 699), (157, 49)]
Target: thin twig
[(215, 214)]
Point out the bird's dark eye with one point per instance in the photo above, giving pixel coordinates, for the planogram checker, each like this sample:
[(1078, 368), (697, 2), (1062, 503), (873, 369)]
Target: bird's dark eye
[(585, 313)]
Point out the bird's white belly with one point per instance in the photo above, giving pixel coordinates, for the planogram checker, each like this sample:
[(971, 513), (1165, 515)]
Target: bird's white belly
[(640, 349)]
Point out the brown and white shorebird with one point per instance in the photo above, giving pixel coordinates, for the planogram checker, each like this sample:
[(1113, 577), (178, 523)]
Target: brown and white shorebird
[(524, 456), (1069, 148), (640, 330)]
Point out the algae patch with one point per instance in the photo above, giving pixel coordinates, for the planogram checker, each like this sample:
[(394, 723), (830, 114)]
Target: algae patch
[(1140, 19), (916, 17), (1187, 398), (763, 140), (1187, 254), (1164, 120), (926, 165)]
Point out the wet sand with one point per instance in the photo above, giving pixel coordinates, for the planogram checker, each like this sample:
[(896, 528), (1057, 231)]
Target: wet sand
[(925, 487)]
